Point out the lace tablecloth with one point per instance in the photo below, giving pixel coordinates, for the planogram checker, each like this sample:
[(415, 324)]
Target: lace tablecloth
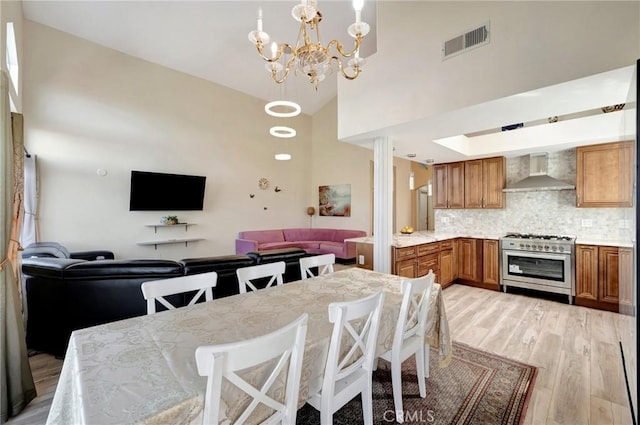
[(143, 370)]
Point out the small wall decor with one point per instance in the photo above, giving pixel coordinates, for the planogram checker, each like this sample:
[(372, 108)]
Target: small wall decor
[(169, 219), (335, 200), (263, 183), (251, 195), (277, 189)]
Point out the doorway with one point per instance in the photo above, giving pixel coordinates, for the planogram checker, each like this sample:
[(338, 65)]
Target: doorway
[(424, 204)]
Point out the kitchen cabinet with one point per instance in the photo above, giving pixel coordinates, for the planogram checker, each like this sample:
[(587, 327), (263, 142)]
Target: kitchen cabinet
[(416, 261), (604, 175), (491, 263), (448, 186), (405, 262), (470, 259), (364, 255), (447, 262), (484, 180), (586, 272), (479, 263), (604, 278)]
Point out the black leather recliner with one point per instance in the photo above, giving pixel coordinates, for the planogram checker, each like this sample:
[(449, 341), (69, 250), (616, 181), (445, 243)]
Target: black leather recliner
[(55, 250), (65, 294)]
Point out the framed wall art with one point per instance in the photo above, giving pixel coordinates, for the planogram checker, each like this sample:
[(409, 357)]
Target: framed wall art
[(335, 200)]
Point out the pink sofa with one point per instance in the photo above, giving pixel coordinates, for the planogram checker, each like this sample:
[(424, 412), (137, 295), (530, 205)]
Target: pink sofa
[(314, 241)]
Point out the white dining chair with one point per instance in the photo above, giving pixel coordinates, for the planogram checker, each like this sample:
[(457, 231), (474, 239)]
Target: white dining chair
[(156, 290), (349, 367), (247, 275), (409, 337), (323, 262), (223, 361)]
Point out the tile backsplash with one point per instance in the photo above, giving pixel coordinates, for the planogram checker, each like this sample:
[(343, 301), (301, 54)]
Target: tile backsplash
[(545, 212)]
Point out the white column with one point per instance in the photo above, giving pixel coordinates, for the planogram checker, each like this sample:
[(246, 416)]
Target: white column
[(382, 204)]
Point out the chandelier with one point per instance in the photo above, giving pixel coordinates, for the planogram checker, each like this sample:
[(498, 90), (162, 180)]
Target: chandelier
[(309, 57)]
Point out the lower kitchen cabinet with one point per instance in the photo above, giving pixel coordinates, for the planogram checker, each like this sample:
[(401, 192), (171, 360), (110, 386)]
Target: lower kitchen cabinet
[(416, 261), (604, 278), (470, 259), (447, 263), (478, 263), (491, 263)]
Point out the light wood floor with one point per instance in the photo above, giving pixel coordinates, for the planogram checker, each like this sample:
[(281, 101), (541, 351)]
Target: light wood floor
[(580, 377)]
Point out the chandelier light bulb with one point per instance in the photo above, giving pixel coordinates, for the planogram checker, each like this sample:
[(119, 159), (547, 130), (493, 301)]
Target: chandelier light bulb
[(274, 49), (259, 19), (357, 6)]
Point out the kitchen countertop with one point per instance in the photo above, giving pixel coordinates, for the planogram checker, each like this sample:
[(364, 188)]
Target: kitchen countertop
[(422, 237), (620, 244)]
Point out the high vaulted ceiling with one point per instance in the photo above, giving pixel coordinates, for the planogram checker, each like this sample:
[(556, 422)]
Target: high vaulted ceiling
[(208, 39)]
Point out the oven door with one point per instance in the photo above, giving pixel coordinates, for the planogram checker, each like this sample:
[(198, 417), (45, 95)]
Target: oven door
[(537, 267)]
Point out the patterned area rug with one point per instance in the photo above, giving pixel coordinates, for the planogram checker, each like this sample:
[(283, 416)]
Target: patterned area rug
[(477, 388)]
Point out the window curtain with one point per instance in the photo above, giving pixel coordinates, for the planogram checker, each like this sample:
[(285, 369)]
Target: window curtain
[(29, 232), (17, 388)]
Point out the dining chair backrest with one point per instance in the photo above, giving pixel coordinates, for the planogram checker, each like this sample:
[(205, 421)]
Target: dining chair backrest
[(349, 366), (285, 345), (248, 275), (157, 290), (323, 262), (409, 339), (412, 320)]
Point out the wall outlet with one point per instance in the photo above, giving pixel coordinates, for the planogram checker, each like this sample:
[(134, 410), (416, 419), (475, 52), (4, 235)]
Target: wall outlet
[(587, 222), (360, 259)]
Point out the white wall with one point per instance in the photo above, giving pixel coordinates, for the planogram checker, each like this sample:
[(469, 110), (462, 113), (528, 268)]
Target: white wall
[(88, 108), (533, 44), (336, 162)]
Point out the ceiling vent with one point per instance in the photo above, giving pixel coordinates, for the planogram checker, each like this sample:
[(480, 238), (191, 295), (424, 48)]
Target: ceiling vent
[(466, 41)]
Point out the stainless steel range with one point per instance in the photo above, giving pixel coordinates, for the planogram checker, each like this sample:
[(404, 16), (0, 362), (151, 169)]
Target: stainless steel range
[(539, 262)]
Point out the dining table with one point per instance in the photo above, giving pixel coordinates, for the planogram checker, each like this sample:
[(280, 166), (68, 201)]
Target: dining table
[(142, 370)]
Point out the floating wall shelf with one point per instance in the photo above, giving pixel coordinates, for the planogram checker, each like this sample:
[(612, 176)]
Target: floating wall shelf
[(169, 241)]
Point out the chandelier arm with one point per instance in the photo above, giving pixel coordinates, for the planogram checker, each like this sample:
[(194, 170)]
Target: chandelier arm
[(287, 68), (356, 69), (340, 47), (281, 49)]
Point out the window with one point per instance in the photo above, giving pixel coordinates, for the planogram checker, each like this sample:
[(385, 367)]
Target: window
[(12, 66)]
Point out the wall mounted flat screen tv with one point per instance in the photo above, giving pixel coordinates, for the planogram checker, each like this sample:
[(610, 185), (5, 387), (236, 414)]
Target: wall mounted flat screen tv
[(166, 192)]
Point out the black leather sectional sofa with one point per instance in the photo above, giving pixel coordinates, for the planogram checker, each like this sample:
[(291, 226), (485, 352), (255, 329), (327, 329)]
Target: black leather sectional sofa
[(67, 291)]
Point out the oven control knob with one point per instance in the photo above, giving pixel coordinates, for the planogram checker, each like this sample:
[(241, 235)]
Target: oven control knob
[(528, 246), (521, 245), (546, 247), (554, 248), (561, 249)]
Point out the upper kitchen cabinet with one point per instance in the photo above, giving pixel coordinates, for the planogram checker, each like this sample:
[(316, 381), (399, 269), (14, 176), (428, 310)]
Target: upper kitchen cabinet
[(604, 175), (448, 187), (484, 180)]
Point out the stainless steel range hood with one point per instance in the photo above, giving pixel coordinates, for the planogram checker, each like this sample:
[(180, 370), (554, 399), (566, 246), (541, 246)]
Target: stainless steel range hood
[(538, 178)]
